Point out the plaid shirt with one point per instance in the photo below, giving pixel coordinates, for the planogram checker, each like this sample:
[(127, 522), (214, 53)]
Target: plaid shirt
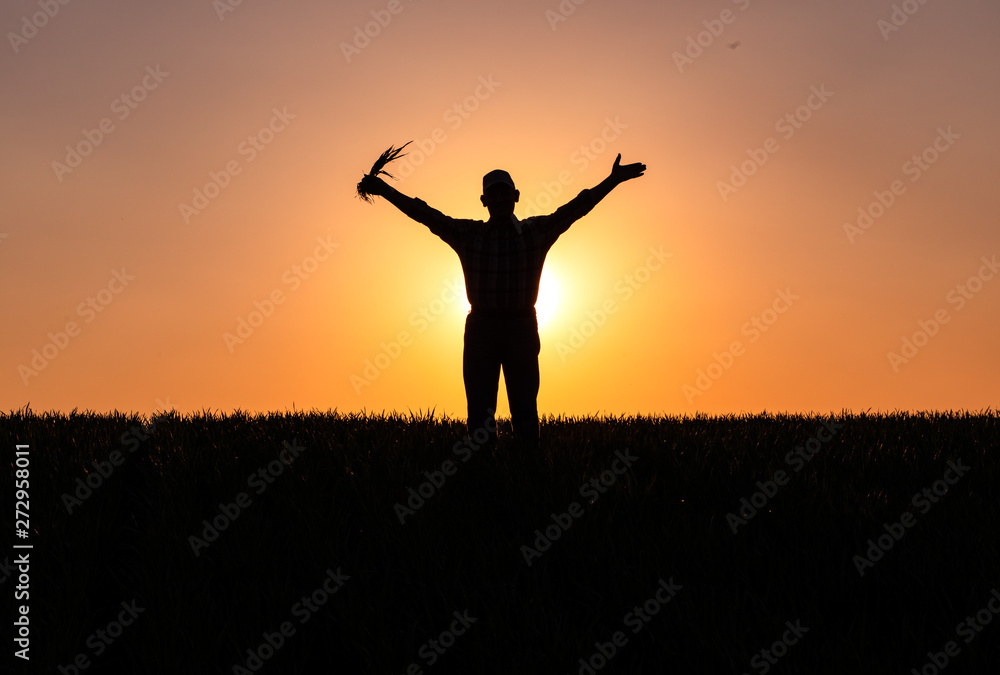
[(502, 264)]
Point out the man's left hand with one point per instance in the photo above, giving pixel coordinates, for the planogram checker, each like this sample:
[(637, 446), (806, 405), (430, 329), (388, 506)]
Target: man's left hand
[(620, 173)]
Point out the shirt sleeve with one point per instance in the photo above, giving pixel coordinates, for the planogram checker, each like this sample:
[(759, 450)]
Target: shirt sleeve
[(554, 224), (451, 230)]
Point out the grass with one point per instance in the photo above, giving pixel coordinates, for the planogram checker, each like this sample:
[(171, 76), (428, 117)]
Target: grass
[(663, 518)]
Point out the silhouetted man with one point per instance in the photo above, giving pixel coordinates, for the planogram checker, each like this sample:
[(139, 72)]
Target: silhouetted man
[(502, 261)]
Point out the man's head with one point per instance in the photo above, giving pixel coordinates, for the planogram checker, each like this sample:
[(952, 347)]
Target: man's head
[(499, 194)]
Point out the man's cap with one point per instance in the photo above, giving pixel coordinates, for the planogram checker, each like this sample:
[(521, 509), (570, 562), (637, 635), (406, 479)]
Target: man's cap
[(497, 176)]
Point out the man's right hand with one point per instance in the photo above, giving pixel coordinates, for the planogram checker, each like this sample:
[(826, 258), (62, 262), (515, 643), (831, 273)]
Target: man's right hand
[(373, 185)]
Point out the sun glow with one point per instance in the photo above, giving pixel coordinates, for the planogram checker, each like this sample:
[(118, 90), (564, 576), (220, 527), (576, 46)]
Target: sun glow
[(546, 307), (549, 294)]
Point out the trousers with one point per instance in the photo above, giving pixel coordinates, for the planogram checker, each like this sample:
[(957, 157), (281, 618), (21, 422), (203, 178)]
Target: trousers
[(510, 343)]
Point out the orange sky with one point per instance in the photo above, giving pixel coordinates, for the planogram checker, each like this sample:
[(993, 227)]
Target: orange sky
[(765, 127)]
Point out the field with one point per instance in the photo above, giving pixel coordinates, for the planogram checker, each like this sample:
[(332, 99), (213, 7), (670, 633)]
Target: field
[(329, 542)]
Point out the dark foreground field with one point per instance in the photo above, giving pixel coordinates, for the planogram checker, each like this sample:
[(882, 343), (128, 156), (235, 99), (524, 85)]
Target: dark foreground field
[(872, 546)]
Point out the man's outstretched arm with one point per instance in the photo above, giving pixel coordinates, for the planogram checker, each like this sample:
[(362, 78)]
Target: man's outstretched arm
[(414, 208), (581, 205)]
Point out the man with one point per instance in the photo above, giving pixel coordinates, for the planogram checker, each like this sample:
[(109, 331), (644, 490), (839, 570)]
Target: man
[(502, 260)]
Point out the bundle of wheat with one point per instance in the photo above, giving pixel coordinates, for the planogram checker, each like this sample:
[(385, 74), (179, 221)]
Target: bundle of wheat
[(378, 168)]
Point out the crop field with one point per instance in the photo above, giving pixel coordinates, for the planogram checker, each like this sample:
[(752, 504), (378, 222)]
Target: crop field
[(325, 542)]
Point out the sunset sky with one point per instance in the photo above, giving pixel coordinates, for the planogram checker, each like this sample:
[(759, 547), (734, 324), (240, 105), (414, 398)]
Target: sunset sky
[(180, 227)]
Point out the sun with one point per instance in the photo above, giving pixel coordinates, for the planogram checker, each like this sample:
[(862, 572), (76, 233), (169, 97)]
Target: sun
[(549, 294), (546, 307)]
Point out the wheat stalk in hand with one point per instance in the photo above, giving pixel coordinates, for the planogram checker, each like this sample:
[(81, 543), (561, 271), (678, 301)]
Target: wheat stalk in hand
[(393, 153)]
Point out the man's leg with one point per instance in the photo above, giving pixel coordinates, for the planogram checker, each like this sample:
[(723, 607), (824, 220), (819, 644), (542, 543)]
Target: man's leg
[(520, 372), (481, 371)]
